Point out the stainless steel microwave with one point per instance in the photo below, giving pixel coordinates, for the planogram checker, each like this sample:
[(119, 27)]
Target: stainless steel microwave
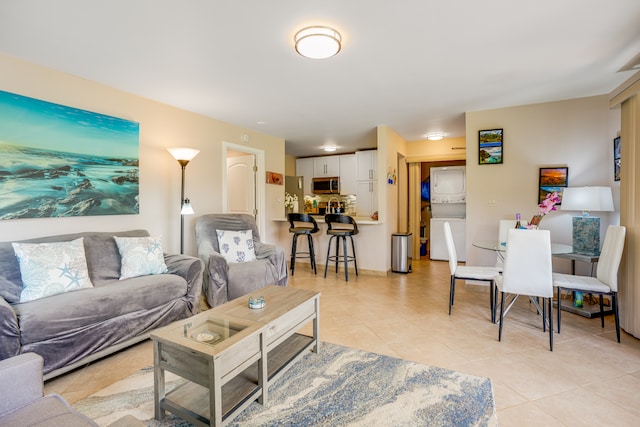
[(330, 185)]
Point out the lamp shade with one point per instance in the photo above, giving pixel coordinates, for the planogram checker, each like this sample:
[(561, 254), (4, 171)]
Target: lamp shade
[(318, 42), (187, 209), (587, 199), (183, 153)]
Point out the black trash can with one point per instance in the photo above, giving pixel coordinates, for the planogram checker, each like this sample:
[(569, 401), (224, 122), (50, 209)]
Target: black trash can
[(401, 244)]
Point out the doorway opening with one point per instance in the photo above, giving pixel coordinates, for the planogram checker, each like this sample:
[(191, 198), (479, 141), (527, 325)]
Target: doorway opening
[(425, 203), (244, 181)]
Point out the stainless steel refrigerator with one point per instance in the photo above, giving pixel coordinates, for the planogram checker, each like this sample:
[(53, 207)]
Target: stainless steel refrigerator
[(294, 185)]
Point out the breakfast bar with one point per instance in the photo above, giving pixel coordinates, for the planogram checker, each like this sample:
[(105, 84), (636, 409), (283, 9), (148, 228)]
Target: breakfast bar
[(370, 244)]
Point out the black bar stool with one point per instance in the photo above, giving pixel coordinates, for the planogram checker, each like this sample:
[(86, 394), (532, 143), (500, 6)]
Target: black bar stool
[(301, 224), (347, 228)]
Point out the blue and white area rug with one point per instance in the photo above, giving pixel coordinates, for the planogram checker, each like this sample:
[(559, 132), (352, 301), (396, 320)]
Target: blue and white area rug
[(340, 386)]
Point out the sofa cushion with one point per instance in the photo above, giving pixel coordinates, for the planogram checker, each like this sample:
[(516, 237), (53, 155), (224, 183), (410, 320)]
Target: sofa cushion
[(236, 246), (51, 268), (88, 306), (51, 410), (140, 256)]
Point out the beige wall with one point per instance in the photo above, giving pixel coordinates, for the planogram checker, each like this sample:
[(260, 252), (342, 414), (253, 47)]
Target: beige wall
[(161, 126), (390, 145), (575, 133), (290, 165), (430, 151)]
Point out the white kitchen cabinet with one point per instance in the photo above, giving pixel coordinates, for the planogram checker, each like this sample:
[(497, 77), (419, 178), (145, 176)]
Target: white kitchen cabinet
[(304, 168), (327, 166), (348, 174), (366, 182), (366, 165), (367, 198)]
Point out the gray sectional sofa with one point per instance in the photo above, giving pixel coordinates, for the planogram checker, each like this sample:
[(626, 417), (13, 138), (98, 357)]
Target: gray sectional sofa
[(24, 402), (72, 328)]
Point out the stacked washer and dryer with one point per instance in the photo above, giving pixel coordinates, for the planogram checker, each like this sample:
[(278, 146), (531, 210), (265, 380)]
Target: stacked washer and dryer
[(448, 204)]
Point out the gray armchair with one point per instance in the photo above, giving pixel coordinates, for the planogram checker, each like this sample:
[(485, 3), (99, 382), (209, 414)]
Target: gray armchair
[(226, 281)]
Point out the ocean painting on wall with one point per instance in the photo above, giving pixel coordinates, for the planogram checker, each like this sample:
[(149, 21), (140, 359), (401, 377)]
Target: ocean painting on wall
[(58, 161), (490, 147)]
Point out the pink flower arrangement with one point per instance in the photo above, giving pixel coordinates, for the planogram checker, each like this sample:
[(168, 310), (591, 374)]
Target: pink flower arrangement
[(547, 205)]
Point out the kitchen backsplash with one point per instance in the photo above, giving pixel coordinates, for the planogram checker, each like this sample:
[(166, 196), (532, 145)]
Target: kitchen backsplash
[(322, 201)]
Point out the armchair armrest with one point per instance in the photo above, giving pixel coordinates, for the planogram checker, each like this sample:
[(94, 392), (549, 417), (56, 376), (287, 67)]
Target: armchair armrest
[(9, 331), (216, 274), (20, 381), (190, 268), (277, 257)]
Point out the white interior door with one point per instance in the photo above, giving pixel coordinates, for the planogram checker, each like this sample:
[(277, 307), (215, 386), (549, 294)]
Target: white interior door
[(241, 184)]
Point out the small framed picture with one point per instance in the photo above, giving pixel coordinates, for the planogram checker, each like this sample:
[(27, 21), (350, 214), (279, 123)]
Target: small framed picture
[(275, 178), (490, 149), (552, 179), (616, 159)]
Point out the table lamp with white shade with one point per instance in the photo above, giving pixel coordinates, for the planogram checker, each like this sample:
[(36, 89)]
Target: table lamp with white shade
[(586, 228)]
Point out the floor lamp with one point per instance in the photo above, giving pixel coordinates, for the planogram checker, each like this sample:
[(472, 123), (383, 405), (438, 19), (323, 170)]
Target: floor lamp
[(183, 156), (586, 229)]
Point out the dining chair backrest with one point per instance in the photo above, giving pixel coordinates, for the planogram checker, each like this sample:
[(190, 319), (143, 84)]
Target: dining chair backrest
[(527, 263), (610, 256), (505, 226), (451, 248)]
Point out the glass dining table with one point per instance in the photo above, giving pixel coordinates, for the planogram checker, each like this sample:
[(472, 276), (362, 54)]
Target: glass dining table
[(562, 251), (501, 247)]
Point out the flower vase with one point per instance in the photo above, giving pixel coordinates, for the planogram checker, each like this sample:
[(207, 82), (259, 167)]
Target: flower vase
[(295, 207)]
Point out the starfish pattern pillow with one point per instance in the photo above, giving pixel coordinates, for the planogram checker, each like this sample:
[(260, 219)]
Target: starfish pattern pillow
[(51, 268), (140, 256)]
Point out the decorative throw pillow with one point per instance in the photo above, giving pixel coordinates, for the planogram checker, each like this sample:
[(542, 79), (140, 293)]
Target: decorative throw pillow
[(236, 246), (51, 268), (140, 256)]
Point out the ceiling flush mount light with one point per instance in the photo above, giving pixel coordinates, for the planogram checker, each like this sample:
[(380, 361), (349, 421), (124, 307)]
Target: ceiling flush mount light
[(330, 148), (318, 42), (435, 136)]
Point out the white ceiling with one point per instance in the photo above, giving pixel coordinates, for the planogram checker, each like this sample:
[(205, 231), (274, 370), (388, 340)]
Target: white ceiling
[(414, 65)]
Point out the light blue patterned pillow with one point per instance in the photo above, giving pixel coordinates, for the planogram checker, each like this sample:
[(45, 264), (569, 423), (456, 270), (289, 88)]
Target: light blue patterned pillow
[(140, 256), (51, 268), (236, 246)]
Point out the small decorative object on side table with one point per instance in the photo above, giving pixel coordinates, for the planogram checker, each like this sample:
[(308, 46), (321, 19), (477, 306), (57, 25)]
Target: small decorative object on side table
[(256, 303)]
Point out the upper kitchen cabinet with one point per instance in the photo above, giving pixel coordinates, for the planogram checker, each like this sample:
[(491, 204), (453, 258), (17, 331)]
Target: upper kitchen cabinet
[(304, 168), (366, 165), (328, 166), (348, 174)]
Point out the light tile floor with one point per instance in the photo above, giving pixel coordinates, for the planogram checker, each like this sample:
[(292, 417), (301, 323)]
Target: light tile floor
[(588, 379)]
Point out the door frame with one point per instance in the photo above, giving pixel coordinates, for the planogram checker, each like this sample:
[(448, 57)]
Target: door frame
[(260, 180)]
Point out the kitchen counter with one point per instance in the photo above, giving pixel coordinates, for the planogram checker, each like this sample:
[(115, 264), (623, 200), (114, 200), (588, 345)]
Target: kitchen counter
[(370, 237), (320, 220)]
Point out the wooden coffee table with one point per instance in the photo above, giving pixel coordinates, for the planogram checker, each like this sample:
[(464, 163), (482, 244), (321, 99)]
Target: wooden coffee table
[(255, 347)]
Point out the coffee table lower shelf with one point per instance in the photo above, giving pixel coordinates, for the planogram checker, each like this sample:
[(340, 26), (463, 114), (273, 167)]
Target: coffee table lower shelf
[(191, 401)]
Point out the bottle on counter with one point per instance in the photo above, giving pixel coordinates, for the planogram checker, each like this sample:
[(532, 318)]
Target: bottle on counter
[(518, 225)]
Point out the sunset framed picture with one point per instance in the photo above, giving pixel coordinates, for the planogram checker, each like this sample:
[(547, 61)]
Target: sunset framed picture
[(552, 179)]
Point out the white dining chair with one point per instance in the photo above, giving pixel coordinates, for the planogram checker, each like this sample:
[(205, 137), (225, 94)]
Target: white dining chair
[(606, 280), (528, 271), (504, 226), (466, 272)]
